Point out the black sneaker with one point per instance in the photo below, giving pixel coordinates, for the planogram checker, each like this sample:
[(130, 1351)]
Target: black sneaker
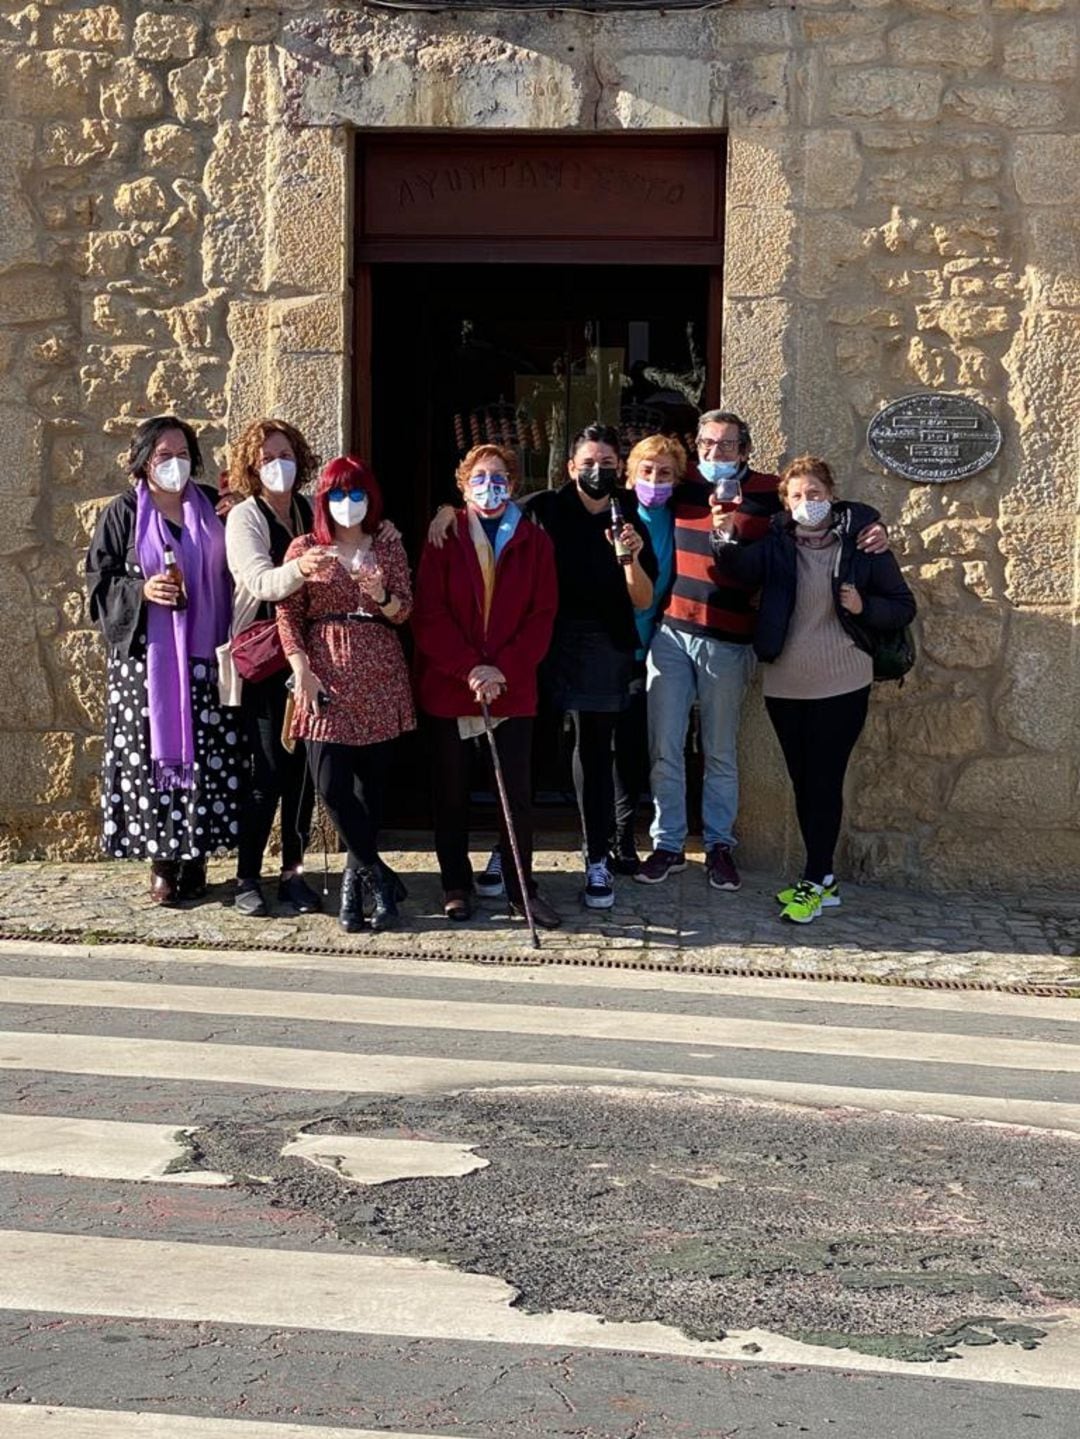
[(599, 885), (296, 891), (249, 900), (489, 884), (659, 865)]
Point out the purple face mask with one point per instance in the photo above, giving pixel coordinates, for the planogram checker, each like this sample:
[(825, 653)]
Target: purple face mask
[(653, 497)]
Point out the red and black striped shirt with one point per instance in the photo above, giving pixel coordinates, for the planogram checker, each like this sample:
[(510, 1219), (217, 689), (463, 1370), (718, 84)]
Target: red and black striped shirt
[(703, 601)]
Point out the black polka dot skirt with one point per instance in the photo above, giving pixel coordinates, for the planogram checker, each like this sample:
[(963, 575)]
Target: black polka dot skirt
[(139, 822)]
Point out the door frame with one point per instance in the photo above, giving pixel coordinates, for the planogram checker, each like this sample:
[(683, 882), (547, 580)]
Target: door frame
[(571, 250)]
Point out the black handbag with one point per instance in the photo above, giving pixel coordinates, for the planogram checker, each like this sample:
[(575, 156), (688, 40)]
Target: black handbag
[(893, 653)]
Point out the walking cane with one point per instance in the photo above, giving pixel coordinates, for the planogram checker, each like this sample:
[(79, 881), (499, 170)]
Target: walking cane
[(504, 801)]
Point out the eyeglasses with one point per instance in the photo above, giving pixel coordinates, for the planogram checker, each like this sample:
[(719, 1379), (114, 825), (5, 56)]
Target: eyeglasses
[(337, 494), (484, 477), (718, 447)]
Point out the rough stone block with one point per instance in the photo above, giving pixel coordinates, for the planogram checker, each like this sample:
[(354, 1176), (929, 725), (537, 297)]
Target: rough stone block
[(189, 384), (1044, 363), (1053, 252), (964, 319), (20, 450), (140, 200), (1039, 552), (946, 729), (960, 640), (311, 326), (171, 148), (166, 260), (29, 701), (832, 170), (68, 144), (652, 93), (961, 537), (32, 293), (308, 195), (1037, 6), (102, 26), (759, 247), (1015, 107), (165, 37), (885, 94), (829, 255), (1046, 169), (959, 856), (1041, 692), (18, 533), (81, 660), (1037, 788), (201, 89), (19, 232), (108, 254), (894, 793), (759, 170), (757, 93), (755, 367), (132, 93), (56, 84), (1043, 50), (308, 389), (952, 44)]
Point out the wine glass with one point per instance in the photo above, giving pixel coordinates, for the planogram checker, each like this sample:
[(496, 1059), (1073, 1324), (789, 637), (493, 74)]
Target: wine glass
[(728, 496)]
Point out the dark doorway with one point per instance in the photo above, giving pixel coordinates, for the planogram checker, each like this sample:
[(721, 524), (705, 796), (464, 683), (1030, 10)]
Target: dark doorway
[(524, 355)]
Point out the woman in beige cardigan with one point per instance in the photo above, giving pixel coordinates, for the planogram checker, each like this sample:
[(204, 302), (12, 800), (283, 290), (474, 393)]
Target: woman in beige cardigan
[(267, 466)]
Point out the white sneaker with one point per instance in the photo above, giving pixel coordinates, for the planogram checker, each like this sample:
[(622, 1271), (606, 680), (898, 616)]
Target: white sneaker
[(489, 885), (599, 886)]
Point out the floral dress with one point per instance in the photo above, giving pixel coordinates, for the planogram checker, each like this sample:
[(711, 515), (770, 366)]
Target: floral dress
[(359, 661)]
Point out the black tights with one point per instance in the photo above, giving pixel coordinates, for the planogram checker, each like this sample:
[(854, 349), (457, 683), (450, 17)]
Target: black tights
[(350, 779), (817, 737), (276, 775)]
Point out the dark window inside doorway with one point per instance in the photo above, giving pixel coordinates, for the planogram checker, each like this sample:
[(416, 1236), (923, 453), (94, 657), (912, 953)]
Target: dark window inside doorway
[(525, 355)]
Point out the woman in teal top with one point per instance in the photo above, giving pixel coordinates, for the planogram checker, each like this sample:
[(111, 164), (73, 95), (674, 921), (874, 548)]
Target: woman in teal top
[(654, 467)]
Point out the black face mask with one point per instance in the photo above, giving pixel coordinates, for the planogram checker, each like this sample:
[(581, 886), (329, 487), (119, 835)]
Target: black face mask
[(600, 482)]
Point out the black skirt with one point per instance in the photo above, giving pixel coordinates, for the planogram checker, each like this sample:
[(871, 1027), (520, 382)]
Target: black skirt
[(139, 822)]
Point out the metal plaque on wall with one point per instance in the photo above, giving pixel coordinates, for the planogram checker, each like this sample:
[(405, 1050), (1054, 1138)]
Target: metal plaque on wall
[(934, 438)]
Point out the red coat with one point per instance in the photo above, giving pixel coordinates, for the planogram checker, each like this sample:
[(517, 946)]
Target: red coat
[(448, 620)]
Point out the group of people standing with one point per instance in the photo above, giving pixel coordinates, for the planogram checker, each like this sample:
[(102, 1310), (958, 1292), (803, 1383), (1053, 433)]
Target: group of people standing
[(255, 664)]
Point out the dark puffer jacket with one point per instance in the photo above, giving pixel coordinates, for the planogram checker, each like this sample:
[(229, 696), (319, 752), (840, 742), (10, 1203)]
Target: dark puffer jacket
[(771, 566)]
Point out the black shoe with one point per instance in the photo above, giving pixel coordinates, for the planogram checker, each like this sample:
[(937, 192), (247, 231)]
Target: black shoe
[(164, 874), (296, 891), (249, 900), (191, 882), (545, 915), (351, 913), (628, 863), (380, 896)]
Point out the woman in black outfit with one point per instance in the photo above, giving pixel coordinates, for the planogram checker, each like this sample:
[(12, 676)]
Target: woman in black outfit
[(160, 590), (591, 666)]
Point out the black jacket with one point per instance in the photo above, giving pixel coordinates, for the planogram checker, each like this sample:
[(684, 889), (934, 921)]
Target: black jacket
[(771, 565), (113, 576)]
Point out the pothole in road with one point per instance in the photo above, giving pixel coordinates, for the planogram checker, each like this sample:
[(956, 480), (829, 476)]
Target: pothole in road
[(889, 1234)]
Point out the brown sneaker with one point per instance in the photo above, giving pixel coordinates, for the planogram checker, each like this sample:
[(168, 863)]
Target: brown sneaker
[(659, 865), (720, 868)]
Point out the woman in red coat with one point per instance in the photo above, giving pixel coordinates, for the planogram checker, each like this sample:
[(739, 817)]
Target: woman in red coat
[(482, 619)]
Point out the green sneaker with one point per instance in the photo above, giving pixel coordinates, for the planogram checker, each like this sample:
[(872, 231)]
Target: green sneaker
[(805, 903), (830, 894)]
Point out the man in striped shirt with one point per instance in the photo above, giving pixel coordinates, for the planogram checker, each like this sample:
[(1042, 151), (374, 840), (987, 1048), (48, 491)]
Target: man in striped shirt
[(701, 650)]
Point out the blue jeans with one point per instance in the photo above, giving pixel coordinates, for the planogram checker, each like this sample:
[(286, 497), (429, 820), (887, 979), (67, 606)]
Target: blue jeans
[(683, 667)]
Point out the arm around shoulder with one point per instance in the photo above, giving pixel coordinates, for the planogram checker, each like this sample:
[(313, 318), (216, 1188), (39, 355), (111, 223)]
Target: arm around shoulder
[(247, 548)]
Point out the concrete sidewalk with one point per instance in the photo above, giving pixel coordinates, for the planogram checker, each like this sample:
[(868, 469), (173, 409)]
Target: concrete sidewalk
[(878, 933)]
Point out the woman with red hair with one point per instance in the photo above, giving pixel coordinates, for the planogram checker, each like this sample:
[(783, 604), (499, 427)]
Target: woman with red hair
[(350, 681)]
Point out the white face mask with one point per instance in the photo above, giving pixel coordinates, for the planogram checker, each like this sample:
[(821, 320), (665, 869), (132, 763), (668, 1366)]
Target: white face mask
[(347, 513), (172, 474), (811, 514), (277, 476)]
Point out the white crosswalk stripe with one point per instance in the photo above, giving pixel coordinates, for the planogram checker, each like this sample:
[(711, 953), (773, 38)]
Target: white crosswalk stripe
[(935, 1053)]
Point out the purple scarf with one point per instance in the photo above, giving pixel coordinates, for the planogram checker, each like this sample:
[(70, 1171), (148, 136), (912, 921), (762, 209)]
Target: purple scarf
[(173, 638)]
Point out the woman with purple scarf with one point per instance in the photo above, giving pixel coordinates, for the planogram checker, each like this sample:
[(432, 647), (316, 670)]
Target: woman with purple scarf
[(173, 757)]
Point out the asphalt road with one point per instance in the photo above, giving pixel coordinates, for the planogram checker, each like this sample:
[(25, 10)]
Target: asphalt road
[(528, 1202)]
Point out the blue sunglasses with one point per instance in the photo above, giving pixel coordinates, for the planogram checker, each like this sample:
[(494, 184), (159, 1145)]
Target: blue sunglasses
[(337, 493)]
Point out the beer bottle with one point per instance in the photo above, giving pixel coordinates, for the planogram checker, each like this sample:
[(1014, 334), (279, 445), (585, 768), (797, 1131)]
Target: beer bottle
[(622, 554), (173, 572)]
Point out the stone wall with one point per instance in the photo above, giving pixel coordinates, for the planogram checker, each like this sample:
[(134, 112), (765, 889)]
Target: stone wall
[(902, 214)]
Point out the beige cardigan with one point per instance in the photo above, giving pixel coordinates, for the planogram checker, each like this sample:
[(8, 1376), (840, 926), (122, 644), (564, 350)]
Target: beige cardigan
[(256, 578)]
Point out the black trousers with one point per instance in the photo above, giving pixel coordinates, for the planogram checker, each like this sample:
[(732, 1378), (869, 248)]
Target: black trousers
[(350, 779), (817, 738), (594, 779), (450, 761), (275, 776), (631, 769)]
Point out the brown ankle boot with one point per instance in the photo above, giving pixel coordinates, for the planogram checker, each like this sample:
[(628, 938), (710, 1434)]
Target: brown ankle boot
[(164, 876)]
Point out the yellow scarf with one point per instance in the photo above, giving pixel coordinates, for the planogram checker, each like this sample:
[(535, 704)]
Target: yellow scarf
[(486, 555)]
